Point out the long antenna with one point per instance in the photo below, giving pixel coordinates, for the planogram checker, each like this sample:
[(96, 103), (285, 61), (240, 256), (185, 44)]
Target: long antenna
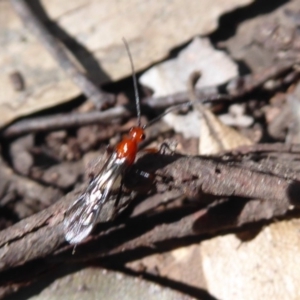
[(188, 104), (167, 111), (136, 93)]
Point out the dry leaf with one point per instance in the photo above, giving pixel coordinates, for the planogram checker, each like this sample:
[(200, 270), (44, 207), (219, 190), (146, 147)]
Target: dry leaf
[(151, 28), (170, 77), (263, 268), (216, 136), (46, 85), (93, 283)]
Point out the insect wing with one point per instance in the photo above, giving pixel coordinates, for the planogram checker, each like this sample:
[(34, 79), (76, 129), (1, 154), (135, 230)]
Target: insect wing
[(81, 217)]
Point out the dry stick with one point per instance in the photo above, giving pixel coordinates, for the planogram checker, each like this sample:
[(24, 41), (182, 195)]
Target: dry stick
[(240, 86), (23, 186), (39, 235), (237, 87), (62, 121), (267, 148), (59, 53), (56, 122), (194, 77)]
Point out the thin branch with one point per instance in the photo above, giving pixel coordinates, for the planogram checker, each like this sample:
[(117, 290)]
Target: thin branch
[(41, 234), (237, 87), (63, 121), (56, 122), (241, 86), (59, 53)]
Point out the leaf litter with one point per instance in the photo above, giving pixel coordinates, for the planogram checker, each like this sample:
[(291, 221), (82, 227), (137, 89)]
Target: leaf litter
[(229, 266)]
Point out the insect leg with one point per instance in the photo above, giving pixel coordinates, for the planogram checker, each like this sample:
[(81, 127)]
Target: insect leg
[(116, 204)]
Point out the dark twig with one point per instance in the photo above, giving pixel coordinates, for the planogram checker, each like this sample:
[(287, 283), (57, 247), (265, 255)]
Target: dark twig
[(25, 187), (267, 148), (62, 121), (241, 86), (59, 53), (55, 122), (237, 88), (40, 234), (254, 197)]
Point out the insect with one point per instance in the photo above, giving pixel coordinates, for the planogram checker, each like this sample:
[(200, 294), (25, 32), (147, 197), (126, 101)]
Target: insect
[(82, 215)]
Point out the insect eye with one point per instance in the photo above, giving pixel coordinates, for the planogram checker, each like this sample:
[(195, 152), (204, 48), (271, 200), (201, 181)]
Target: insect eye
[(143, 136)]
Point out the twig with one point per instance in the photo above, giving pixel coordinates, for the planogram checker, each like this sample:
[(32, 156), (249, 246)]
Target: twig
[(29, 189), (237, 88), (241, 86), (55, 122), (41, 234), (267, 148), (59, 53), (62, 121)]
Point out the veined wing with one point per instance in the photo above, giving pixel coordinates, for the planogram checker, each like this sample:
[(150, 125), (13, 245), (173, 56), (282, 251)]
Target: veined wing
[(82, 215)]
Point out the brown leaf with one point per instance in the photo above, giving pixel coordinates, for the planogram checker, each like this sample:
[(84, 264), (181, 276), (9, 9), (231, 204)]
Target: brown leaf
[(216, 136), (262, 268), (151, 29)]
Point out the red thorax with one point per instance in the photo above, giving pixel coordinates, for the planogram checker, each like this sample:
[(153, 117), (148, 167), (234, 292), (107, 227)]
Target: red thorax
[(128, 147)]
